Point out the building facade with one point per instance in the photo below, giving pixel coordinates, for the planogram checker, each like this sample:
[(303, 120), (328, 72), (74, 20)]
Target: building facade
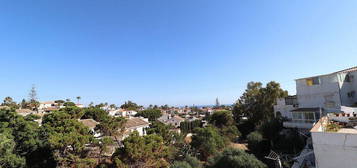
[(319, 95), (337, 148), (330, 91)]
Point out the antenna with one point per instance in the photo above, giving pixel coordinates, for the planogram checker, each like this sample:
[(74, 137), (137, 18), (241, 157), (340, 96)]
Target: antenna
[(303, 134), (274, 156)]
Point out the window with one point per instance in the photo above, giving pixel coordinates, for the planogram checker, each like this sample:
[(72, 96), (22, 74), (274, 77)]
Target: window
[(297, 116), (309, 116), (348, 78), (313, 81), (351, 94)]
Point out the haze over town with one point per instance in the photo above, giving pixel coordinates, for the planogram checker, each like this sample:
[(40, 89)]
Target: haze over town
[(178, 84), (177, 53)]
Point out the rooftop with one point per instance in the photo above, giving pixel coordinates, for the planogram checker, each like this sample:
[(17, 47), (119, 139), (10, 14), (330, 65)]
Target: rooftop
[(89, 123), (306, 110), (352, 69), (24, 111), (48, 102), (135, 122), (337, 123)]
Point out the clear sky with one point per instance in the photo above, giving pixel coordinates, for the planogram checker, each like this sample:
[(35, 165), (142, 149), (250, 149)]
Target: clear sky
[(177, 52)]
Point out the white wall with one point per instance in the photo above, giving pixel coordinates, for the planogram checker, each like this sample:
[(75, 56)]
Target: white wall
[(335, 150), (325, 95), (284, 109), (347, 87), (43, 106)]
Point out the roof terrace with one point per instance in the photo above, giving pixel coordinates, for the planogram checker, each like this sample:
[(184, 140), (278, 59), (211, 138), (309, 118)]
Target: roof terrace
[(337, 123)]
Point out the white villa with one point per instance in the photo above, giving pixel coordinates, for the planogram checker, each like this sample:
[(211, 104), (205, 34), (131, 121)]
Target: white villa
[(169, 119), (136, 124), (318, 95)]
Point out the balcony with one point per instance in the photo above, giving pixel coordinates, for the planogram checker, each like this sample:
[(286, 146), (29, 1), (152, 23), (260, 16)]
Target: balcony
[(301, 124)]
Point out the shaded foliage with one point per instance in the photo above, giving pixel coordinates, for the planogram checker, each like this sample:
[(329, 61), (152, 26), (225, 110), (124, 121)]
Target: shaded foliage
[(162, 130), (222, 119), (129, 105), (143, 151), (235, 158), (113, 127), (189, 126), (67, 137), (8, 157), (95, 113), (226, 124), (207, 141), (151, 114), (257, 102)]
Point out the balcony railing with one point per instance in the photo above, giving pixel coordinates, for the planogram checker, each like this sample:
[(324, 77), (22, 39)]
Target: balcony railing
[(303, 124)]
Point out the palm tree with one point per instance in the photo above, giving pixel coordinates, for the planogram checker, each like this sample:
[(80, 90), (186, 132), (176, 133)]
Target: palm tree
[(78, 98)]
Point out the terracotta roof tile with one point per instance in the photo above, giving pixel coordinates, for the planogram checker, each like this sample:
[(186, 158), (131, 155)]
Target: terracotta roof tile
[(135, 122), (89, 123)]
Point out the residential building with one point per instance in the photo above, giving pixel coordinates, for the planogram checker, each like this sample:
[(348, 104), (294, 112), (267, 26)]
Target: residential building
[(80, 105), (131, 112), (50, 109), (334, 139), (91, 124), (284, 106), (117, 112), (303, 118), (4, 107), (25, 112), (47, 104), (319, 95), (122, 112), (329, 91), (136, 124), (170, 119)]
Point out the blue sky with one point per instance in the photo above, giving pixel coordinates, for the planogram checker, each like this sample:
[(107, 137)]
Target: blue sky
[(177, 52)]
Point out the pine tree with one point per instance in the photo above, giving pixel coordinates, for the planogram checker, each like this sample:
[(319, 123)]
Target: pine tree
[(33, 98), (217, 102)]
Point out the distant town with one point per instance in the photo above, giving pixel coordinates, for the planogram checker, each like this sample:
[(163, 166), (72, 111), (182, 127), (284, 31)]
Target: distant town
[(265, 127)]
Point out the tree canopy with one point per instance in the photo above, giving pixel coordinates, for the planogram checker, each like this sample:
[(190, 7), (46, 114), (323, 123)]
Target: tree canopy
[(151, 114), (257, 102), (222, 118), (163, 130), (143, 151), (67, 137), (95, 113), (235, 158), (112, 126), (8, 157), (129, 105), (207, 141), (225, 122)]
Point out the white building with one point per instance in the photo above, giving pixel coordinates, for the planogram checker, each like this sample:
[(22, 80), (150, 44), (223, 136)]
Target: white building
[(136, 124), (132, 124), (47, 104), (80, 105), (284, 106), (330, 91), (117, 112), (131, 112), (335, 148), (122, 113), (91, 124), (319, 95), (25, 112), (169, 119)]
